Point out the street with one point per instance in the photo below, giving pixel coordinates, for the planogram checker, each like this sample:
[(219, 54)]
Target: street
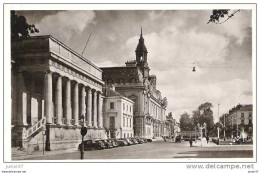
[(154, 150)]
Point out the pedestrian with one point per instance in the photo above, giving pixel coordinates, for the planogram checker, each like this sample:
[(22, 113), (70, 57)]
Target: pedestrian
[(190, 142), (207, 139), (164, 138)]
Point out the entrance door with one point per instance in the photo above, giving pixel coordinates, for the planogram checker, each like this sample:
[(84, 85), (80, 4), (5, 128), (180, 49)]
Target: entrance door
[(112, 123)]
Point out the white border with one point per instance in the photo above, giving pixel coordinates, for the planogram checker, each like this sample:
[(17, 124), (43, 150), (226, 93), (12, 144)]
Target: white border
[(7, 67)]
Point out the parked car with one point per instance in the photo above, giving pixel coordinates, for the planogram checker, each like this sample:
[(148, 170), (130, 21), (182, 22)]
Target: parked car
[(107, 143), (92, 145), (149, 140), (134, 140), (140, 140), (113, 142), (121, 142), (128, 141), (145, 140)]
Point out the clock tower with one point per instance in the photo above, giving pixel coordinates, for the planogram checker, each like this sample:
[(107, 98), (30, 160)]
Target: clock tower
[(141, 56)]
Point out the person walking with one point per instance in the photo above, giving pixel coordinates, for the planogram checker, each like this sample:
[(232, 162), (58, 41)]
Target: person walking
[(190, 142), (207, 139)]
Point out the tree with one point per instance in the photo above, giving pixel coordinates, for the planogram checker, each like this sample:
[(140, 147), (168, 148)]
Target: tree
[(204, 114), (186, 123), (20, 28), (218, 14)]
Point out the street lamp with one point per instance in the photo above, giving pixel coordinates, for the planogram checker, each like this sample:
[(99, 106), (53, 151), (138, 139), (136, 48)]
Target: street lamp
[(83, 132), (224, 127)]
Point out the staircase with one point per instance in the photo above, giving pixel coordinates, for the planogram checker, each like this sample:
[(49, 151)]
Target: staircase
[(29, 132)]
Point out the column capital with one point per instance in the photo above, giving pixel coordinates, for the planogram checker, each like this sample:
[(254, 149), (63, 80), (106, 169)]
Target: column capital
[(94, 92)]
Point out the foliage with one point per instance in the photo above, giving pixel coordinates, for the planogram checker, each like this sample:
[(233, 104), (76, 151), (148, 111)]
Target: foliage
[(204, 114), (218, 14), (186, 123), (20, 28)]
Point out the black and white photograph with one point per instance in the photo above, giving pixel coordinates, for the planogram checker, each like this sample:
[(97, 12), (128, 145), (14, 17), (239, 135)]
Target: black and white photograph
[(130, 83)]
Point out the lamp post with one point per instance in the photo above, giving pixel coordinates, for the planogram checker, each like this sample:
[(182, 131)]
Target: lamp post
[(218, 123), (83, 132), (195, 135), (224, 127)]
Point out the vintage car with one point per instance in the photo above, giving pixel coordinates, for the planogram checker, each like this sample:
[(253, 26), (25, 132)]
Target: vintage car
[(145, 140), (134, 140), (140, 140), (149, 140), (92, 145), (129, 142), (113, 142), (107, 143), (121, 142)]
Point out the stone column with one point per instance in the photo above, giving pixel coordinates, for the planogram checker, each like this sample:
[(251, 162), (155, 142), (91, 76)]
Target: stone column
[(95, 108), (99, 112), (68, 101), (83, 96), (22, 101), (89, 109), (58, 100), (48, 97), (76, 104)]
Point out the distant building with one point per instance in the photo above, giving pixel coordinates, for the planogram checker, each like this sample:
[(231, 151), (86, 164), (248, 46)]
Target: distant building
[(239, 121), (118, 114), (134, 82), (51, 88), (171, 124)]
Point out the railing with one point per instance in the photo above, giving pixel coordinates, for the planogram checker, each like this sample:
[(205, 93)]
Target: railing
[(34, 128)]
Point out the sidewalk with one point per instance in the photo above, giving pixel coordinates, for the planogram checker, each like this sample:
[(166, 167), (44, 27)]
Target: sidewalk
[(37, 154)]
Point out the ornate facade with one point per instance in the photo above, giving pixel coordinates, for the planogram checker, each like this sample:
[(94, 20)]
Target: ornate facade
[(52, 88), (135, 82)]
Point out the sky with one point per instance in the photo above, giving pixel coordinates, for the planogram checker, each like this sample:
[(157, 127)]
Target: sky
[(176, 41)]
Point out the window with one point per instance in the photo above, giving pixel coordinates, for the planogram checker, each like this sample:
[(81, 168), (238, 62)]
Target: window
[(112, 105), (250, 122), (250, 114), (123, 106), (130, 122), (130, 108), (242, 121), (126, 107), (242, 115), (124, 122)]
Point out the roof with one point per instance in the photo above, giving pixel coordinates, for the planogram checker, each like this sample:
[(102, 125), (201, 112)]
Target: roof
[(246, 108), (122, 74), (111, 93)]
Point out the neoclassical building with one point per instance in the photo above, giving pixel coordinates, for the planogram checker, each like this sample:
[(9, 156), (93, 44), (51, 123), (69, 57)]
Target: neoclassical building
[(52, 88), (118, 114), (134, 82)]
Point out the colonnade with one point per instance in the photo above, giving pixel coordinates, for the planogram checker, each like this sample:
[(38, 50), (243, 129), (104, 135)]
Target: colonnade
[(71, 104)]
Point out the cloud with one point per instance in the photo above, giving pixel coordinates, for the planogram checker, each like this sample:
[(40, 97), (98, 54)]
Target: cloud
[(175, 39), (173, 50), (65, 24)]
